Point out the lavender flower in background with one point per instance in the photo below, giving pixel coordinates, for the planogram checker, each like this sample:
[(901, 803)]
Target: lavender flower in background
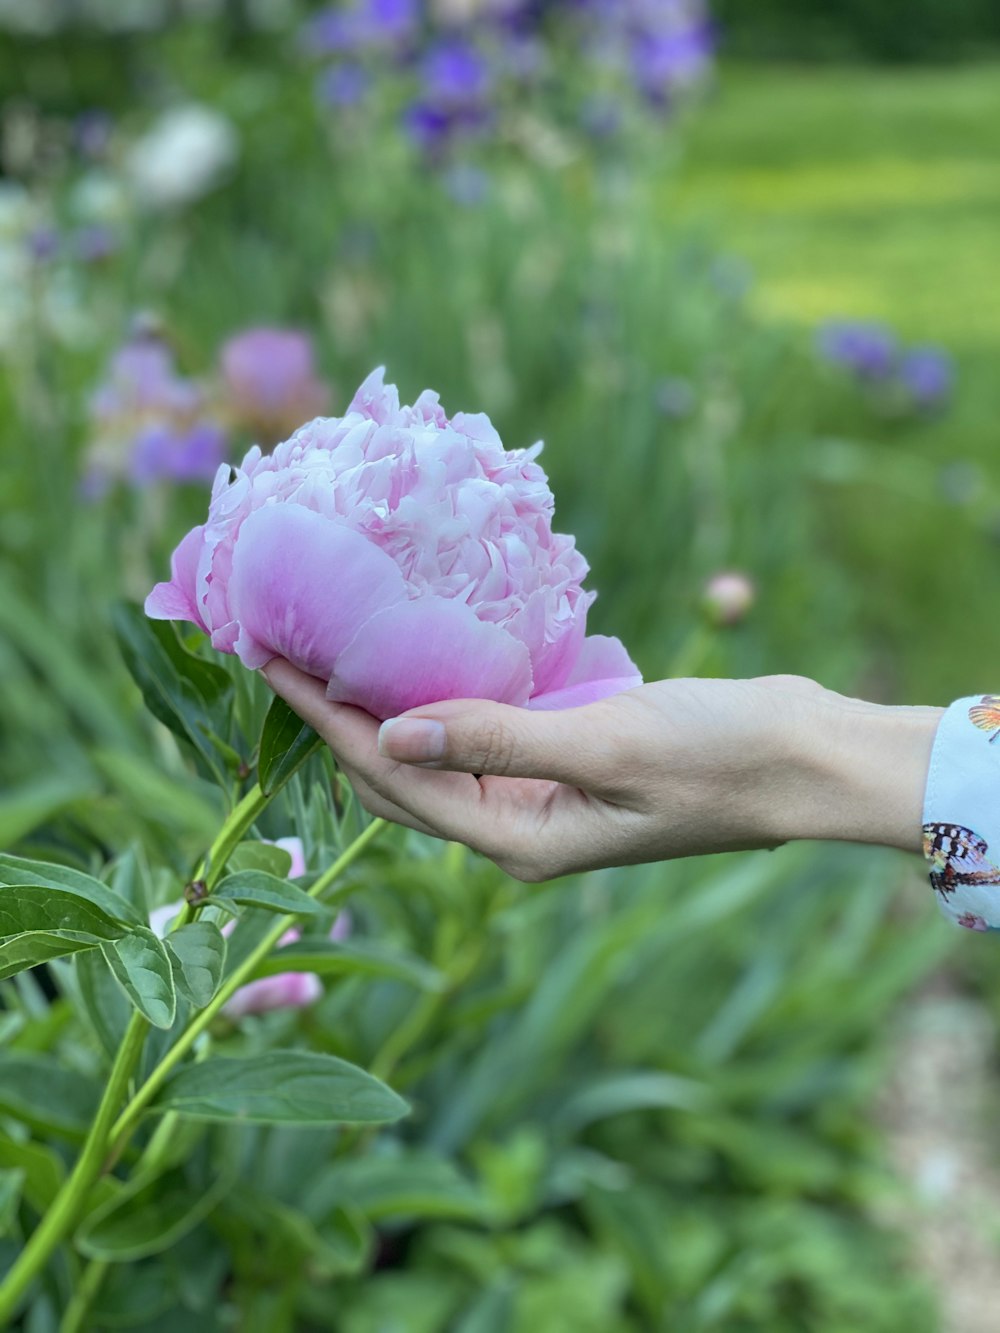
[(928, 376), (460, 67), (867, 349), (270, 382), (148, 423), (343, 85), (910, 379)]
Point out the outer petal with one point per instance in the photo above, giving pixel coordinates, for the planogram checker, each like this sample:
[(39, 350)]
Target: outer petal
[(176, 600), (602, 669), (429, 649), (302, 585)]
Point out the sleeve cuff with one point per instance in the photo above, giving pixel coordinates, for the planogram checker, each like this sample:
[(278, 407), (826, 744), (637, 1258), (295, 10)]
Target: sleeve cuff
[(962, 813)]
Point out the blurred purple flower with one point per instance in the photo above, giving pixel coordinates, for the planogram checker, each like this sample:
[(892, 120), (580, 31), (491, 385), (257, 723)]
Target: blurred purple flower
[(728, 596), (177, 453), (149, 423), (455, 76), (343, 85), (665, 61), (928, 375), (270, 382), (43, 243), (366, 25), (867, 349)]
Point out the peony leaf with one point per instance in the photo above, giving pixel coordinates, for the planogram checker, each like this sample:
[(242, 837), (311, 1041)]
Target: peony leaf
[(43, 1169), (17, 871), (286, 742), (254, 888), (38, 946), (105, 1005), (260, 856), (281, 1087), (197, 955), (190, 696), (142, 969), (45, 1095), (327, 957), (147, 1217), (39, 907)]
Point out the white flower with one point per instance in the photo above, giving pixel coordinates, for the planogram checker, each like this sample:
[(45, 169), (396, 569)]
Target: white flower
[(186, 153)]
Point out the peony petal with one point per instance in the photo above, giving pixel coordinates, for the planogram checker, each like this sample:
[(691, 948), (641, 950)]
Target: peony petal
[(602, 669), (176, 600), (302, 585), (287, 990), (422, 651)]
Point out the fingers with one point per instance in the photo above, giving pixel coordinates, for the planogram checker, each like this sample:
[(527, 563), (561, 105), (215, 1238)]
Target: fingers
[(445, 804), (571, 746)]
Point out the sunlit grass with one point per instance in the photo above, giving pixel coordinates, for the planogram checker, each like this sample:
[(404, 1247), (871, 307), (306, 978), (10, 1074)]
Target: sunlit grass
[(869, 193)]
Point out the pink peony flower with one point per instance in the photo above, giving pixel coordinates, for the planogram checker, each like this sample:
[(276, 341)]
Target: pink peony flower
[(270, 382), (286, 990), (403, 558)]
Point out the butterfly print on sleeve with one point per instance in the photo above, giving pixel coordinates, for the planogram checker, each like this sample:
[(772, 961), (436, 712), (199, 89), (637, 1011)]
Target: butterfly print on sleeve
[(957, 859), (986, 715)]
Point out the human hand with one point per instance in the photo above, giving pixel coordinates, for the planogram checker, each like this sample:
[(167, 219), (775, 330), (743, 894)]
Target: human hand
[(671, 769)]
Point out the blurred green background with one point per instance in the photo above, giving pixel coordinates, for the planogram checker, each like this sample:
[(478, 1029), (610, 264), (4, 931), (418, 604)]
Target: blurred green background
[(647, 1099)]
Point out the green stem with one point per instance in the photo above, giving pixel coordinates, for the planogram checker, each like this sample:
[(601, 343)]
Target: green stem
[(83, 1296), (126, 1121), (242, 818), (239, 820), (62, 1215)]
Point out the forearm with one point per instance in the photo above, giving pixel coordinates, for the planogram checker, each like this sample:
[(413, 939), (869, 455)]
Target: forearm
[(858, 771)]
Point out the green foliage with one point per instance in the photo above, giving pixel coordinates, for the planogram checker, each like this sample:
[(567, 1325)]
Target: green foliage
[(633, 1100), (281, 1087)]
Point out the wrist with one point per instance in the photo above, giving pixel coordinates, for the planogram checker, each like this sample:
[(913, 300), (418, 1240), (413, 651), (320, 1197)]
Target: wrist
[(858, 770)]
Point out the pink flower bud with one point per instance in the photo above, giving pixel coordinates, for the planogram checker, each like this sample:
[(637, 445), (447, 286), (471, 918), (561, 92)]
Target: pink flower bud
[(728, 596)]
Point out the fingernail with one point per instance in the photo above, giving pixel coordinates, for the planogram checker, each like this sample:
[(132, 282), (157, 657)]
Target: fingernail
[(414, 740)]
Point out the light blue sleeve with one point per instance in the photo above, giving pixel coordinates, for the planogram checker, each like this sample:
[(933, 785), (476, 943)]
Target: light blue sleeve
[(962, 813)]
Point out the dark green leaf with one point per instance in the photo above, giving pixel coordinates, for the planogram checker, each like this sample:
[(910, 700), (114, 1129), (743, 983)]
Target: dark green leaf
[(254, 888), (142, 968), (197, 954), (260, 856), (148, 1217), (281, 1087), (326, 957), (286, 742), (38, 946), (16, 870), (105, 1005), (190, 696), (37, 907), (45, 1095)]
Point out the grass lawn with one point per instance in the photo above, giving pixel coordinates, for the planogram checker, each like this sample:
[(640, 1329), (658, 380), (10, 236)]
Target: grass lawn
[(866, 192)]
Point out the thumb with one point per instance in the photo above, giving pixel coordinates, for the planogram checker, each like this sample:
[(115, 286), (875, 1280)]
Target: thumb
[(479, 736)]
